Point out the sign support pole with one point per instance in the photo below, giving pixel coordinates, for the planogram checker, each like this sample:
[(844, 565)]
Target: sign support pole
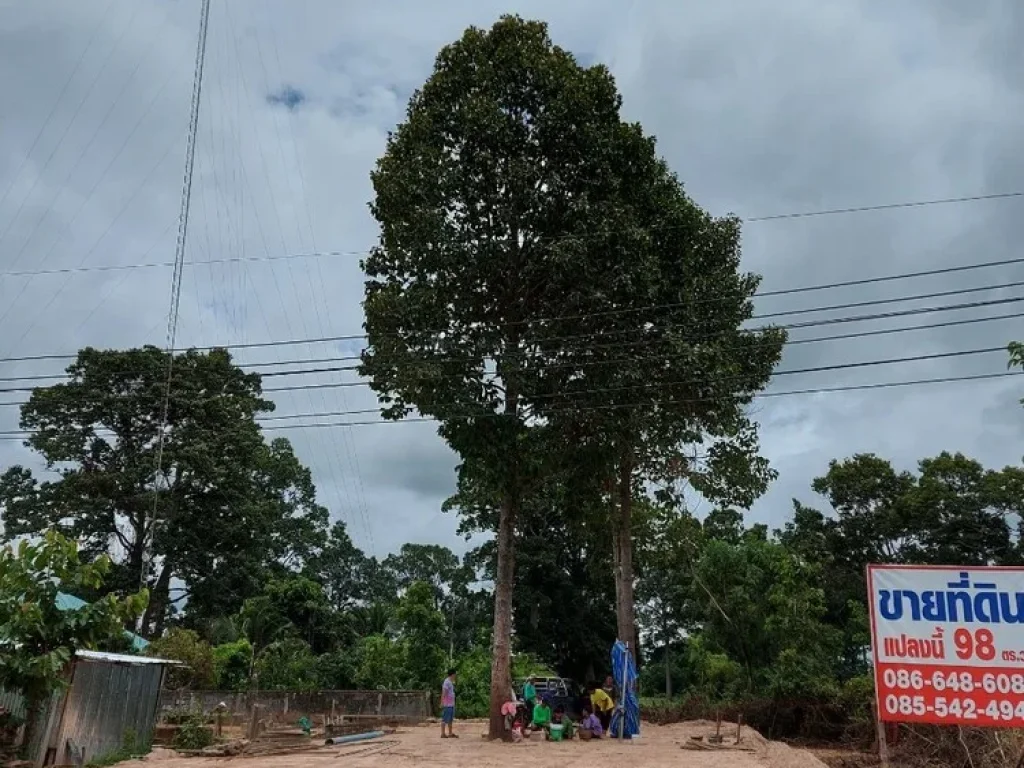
[(883, 745)]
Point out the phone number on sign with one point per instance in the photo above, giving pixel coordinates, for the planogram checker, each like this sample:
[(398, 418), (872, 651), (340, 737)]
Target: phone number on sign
[(956, 681), (965, 708)]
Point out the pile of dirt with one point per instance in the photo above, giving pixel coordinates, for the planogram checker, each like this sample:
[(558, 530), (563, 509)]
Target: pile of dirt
[(706, 728), (775, 754), (781, 755)]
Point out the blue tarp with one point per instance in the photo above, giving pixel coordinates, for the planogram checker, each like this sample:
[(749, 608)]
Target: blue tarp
[(628, 705)]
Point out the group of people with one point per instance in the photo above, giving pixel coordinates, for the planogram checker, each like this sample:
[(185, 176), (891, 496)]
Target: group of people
[(536, 714)]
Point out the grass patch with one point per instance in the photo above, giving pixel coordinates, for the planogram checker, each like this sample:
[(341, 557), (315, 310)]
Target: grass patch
[(130, 747)]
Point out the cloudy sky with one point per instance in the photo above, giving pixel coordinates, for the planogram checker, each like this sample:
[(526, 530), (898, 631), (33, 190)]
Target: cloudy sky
[(762, 109)]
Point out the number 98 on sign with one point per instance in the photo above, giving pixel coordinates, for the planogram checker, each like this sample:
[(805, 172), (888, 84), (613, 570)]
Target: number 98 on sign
[(948, 644)]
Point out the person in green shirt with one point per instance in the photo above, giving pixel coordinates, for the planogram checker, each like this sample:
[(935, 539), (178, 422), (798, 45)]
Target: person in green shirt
[(562, 719), (541, 718)]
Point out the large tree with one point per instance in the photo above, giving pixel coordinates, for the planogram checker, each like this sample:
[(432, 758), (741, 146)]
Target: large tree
[(660, 385), (225, 507), (502, 206)]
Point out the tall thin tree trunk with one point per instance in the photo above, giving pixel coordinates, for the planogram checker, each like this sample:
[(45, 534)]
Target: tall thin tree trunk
[(501, 651), (622, 542), (153, 620), (668, 671), (501, 643)]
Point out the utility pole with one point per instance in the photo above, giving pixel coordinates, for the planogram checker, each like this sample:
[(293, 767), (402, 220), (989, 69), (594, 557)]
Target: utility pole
[(149, 528)]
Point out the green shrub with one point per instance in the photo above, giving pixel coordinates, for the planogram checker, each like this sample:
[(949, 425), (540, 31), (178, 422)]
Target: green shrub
[(193, 734), (130, 748)]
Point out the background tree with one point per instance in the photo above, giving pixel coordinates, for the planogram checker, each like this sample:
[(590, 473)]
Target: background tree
[(423, 630), (38, 638), (668, 545), (494, 198), (196, 671), (228, 505), (341, 567)]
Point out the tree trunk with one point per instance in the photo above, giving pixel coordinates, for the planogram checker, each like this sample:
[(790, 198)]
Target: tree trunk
[(501, 643), (622, 543), (668, 671), (501, 650), (156, 611), (136, 555)]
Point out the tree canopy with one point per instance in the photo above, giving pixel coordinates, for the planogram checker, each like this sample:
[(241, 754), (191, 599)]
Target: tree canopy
[(538, 263), (39, 636), (227, 507)]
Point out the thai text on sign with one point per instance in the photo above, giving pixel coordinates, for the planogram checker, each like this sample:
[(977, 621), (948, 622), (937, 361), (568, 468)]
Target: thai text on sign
[(948, 644)]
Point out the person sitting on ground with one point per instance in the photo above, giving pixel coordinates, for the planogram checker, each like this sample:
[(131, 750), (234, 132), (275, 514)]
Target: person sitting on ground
[(590, 726), (541, 717), (602, 705), (448, 705), (559, 717)]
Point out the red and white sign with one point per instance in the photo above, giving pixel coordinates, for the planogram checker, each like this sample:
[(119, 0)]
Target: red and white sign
[(948, 644)]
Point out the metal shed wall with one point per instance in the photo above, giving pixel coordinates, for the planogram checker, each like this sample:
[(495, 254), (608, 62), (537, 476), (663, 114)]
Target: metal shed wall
[(12, 701), (106, 702)]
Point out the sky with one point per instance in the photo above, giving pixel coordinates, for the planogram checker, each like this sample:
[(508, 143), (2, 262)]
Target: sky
[(761, 109)]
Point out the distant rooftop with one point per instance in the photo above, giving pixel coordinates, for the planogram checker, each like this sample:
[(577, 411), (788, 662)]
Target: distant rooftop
[(66, 602)]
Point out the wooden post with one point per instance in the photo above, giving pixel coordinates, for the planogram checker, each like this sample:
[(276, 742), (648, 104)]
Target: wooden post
[(739, 726), (254, 723), (883, 746), (332, 712)]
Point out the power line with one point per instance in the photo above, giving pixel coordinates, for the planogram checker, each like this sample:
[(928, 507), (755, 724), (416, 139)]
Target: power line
[(170, 264), (786, 372), (542, 366), (755, 219), (46, 122), (20, 434), (648, 404), (788, 326), (819, 339), (887, 206), (149, 526)]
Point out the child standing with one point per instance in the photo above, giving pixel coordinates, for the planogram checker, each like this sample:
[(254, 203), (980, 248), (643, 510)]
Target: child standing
[(448, 705)]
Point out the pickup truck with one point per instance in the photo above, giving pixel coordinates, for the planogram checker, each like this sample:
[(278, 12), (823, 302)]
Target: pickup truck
[(562, 691)]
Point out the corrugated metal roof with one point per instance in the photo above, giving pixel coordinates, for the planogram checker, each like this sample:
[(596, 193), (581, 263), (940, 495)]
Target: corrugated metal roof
[(121, 658)]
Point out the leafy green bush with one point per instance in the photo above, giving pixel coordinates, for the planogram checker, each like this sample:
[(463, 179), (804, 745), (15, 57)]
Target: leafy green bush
[(231, 663), (193, 734), (180, 715)]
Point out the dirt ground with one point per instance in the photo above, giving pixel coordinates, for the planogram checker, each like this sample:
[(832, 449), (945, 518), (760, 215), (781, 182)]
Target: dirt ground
[(658, 747)]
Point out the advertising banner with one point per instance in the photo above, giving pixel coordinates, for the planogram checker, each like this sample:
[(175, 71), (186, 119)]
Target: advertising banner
[(948, 644)]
